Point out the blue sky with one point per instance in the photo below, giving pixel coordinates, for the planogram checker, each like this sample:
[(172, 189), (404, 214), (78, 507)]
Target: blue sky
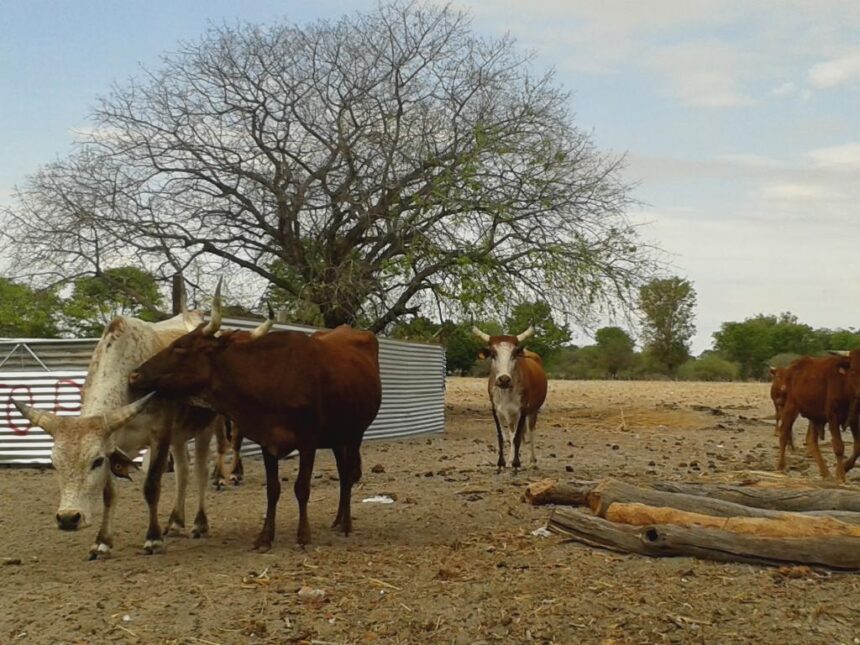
[(739, 119)]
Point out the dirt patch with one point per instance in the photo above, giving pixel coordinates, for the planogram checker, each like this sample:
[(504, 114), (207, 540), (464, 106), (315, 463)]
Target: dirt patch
[(452, 559)]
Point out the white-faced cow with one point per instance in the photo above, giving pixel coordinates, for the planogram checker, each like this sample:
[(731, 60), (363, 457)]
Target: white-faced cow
[(110, 433), (286, 391), (517, 388)]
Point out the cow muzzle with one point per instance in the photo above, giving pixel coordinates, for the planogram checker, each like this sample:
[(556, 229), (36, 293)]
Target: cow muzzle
[(69, 520), (503, 381)]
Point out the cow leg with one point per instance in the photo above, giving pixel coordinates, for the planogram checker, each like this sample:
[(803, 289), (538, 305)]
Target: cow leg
[(532, 424), (302, 489), (202, 441), (786, 421), (273, 493), (179, 450), (219, 472), (104, 539), (237, 471), (838, 447), (152, 491), (855, 434), (517, 441), (812, 441), (346, 457), (501, 462)]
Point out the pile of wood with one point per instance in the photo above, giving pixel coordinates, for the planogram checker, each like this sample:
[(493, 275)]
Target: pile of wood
[(754, 524)]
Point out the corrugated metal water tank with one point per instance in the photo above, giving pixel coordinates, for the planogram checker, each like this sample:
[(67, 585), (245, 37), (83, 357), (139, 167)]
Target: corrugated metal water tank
[(50, 373)]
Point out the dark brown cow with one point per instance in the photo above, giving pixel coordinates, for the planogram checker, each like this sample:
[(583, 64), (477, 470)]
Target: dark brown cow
[(517, 389), (819, 390), (287, 391)]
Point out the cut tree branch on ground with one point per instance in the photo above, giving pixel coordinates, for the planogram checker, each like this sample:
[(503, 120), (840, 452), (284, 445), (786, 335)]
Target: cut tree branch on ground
[(666, 540)]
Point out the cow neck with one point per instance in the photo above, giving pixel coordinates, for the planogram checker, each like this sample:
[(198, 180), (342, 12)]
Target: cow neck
[(121, 349)]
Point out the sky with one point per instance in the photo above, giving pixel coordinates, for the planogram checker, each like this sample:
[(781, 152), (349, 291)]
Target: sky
[(738, 119)]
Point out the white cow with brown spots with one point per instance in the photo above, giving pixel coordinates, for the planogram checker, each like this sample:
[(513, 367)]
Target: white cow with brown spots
[(112, 430), (517, 388)]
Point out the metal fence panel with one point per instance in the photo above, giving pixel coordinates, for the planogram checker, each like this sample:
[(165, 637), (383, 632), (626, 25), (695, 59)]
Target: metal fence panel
[(50, 374)]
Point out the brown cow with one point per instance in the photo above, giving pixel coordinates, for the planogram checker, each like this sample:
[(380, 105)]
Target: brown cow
[(517, 389), (819, 390), (777, 395), (227, 437), (287, 391)]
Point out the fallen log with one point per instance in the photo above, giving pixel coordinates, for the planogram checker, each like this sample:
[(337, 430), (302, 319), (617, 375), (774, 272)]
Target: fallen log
[(786, 525), (549, 491), (777, 499), (612, 491), (836, 552)]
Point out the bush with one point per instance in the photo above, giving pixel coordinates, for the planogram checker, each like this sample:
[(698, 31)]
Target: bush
[(709, 368)]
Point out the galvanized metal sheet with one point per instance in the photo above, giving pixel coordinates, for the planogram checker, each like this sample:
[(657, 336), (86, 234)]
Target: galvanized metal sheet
[(50, 374)]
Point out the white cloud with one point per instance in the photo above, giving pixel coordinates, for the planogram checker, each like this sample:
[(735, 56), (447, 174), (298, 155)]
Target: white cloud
[(703, 73), (837, 71), (845, 156), (791, 192), (784, 89)]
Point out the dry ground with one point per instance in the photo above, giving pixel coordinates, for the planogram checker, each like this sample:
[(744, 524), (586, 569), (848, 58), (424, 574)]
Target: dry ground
[(453, 560)]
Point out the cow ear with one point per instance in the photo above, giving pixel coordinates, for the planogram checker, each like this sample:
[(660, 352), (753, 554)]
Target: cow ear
[(483, 353), (121, 463), (772, 371)]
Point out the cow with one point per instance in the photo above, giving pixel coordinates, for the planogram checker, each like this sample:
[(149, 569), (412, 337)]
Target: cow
[(517, 388), (84, 446), (777, 395), (227, 437), (286, 391), (819, 389)]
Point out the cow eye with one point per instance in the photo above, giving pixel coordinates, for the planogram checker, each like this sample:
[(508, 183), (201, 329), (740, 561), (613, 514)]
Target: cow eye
[(97, 463)]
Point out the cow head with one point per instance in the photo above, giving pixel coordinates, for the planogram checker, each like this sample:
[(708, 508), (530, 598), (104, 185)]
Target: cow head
[(83, 455), (504, 351), (184, 368)]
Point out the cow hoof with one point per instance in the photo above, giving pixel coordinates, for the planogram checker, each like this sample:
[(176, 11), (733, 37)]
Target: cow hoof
[(99, 551), (199, 531), (261, 547), (152, 547), (235, 479)]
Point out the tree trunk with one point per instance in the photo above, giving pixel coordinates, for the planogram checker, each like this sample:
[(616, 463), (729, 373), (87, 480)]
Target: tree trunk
[(787, 525), (836, 552), (549, 491), (781, 499), (612, 491)]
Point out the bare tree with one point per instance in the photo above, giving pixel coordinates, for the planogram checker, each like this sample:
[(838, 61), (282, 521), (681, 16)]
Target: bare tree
[(367, 168)]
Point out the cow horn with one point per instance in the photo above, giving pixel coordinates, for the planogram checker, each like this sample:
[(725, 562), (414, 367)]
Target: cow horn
[(214, 323), (266, 325), (528, 333), (484, 336), (119, 417), (45, 420), (839, 352)]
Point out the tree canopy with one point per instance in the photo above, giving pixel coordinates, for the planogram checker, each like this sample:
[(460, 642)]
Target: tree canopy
[(668, 306), (27, 313), (365, 169)]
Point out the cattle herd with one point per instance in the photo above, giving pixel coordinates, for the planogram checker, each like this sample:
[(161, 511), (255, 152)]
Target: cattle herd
[(160, 385)]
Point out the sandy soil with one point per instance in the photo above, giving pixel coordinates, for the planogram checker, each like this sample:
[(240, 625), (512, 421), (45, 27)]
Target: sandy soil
[(453, 560)]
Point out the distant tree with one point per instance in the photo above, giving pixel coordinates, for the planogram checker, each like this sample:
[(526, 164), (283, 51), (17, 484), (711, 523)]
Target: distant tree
[(124, 291), (753, 342), (839, 338), (419, 328), (28, 313), (615, 349), (549, 336), (366, 167), (462, 346), (710, 367), (668, 306)]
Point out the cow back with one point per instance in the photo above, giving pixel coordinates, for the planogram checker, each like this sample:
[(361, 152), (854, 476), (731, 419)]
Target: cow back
[(326, 385), (817, 385)]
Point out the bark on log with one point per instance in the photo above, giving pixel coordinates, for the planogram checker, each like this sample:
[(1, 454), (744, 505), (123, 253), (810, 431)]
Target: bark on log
[(549, 491), (611, 491), (835, 552), (787, 525), (778, 499)]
